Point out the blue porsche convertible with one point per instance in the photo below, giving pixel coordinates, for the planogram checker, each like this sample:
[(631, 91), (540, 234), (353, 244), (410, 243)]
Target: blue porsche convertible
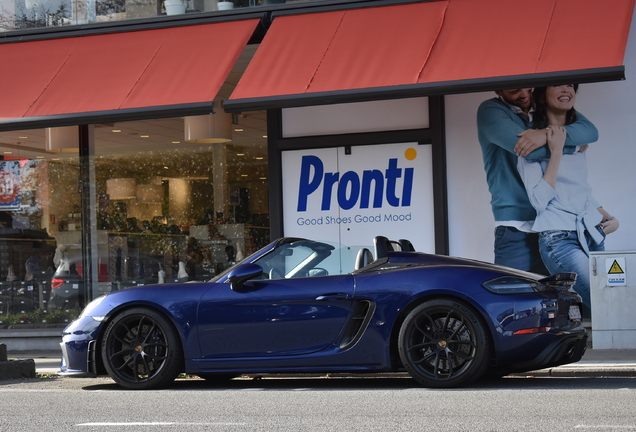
[(300, 306)]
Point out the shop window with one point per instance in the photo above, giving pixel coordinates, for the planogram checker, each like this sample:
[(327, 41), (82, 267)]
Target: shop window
[(25, 14), (165, 211)]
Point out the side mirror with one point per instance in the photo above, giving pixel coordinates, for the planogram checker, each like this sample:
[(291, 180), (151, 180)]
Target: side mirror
[(242, 273)]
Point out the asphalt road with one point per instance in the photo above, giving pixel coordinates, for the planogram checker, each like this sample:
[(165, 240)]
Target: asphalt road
[(320, 404)]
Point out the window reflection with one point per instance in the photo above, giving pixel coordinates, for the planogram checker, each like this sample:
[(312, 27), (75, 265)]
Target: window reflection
[(24, 14), (164, 211)]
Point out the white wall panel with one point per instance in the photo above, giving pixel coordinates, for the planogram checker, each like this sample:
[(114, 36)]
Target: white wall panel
[(376, 116)]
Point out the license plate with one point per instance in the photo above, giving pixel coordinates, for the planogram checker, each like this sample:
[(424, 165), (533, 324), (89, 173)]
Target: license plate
[(575, 313)]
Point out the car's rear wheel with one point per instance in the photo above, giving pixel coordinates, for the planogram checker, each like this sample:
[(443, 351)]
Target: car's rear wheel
[(141, 350), (443, 343)]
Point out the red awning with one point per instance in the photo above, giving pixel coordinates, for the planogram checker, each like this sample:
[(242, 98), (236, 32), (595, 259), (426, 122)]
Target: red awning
[(438, 47), (178, 66)]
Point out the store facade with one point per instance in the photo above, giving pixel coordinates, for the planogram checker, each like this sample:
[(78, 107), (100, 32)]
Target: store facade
[(346, 120), (111, 183)]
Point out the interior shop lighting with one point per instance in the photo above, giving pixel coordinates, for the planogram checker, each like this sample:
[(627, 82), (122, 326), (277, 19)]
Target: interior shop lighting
[(150, 193), (210, 128), (62, 139), (121, 188)]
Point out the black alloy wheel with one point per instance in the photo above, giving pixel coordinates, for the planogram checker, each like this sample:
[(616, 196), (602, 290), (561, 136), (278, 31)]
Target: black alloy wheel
[(444, 343), (141, 350)]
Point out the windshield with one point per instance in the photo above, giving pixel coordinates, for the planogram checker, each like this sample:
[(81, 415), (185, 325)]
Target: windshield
[(306, 258), (294, 258)]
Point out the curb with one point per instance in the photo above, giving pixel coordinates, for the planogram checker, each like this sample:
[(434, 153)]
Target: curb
[(12, 369), (582, 372), (27, 367)]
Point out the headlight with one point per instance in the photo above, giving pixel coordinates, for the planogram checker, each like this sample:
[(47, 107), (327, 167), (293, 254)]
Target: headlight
[(512, 285), (91, 306)]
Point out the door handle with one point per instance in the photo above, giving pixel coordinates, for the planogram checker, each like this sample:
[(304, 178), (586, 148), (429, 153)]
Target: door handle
[(332, 296)]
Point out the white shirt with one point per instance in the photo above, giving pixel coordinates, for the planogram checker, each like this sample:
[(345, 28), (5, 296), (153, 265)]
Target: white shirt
[(570, 206)]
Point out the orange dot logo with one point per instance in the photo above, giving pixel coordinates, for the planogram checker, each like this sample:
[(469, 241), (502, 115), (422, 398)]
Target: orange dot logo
[(410, 154)]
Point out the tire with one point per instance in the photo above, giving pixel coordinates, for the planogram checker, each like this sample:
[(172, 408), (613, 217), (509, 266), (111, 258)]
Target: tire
[(443, 343), (141, 350)]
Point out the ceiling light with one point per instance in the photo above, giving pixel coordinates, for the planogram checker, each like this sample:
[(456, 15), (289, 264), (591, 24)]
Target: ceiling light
[(39, 157), (62, 139), (121, 188), (209, 128), (240, 154), (238, 130), (149, 193), (259, 158), (145, 136), (176, 142), (23, 137), (116, 130), (8, 152)]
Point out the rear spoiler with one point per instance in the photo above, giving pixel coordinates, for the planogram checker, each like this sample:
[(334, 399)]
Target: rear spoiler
[(565, 279)]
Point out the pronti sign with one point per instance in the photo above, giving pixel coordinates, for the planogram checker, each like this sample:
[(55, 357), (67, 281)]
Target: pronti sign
[(350, 198)]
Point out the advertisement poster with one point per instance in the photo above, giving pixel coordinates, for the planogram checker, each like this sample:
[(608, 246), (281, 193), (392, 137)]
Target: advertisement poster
[(350, 195), (9, 185)]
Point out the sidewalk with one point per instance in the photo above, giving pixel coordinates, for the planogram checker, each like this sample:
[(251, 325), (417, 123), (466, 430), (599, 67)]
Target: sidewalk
[(595, 363)]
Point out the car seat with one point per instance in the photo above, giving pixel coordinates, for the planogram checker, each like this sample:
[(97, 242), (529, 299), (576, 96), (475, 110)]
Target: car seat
[(364, 258)]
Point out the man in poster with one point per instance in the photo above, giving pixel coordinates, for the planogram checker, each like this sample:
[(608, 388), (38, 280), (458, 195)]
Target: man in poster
[(504, 132)]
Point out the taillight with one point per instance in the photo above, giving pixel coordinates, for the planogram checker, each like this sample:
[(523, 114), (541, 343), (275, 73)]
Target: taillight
[(533, 330), (512, 285), (56, 283)]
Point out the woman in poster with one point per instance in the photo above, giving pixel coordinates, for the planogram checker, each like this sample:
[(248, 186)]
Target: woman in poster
[(570, 221)]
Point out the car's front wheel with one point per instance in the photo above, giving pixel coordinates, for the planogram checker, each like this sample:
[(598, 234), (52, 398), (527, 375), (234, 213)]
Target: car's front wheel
[(443, 343), (141, 350)]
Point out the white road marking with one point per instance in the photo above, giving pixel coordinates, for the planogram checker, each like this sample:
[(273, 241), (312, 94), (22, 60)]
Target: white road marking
[(159, 424)]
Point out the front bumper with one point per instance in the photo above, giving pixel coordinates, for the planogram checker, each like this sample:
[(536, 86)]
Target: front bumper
[(79, 348), (83, 361)]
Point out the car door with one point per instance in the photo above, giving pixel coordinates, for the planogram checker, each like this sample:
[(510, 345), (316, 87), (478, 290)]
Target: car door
[(274, 317)]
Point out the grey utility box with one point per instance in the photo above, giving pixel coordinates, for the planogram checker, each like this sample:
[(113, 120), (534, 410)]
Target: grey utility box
[(613, 297)]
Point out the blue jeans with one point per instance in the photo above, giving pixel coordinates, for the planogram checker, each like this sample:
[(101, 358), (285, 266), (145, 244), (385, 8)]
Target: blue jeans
[(562, 252), (518, 249)]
